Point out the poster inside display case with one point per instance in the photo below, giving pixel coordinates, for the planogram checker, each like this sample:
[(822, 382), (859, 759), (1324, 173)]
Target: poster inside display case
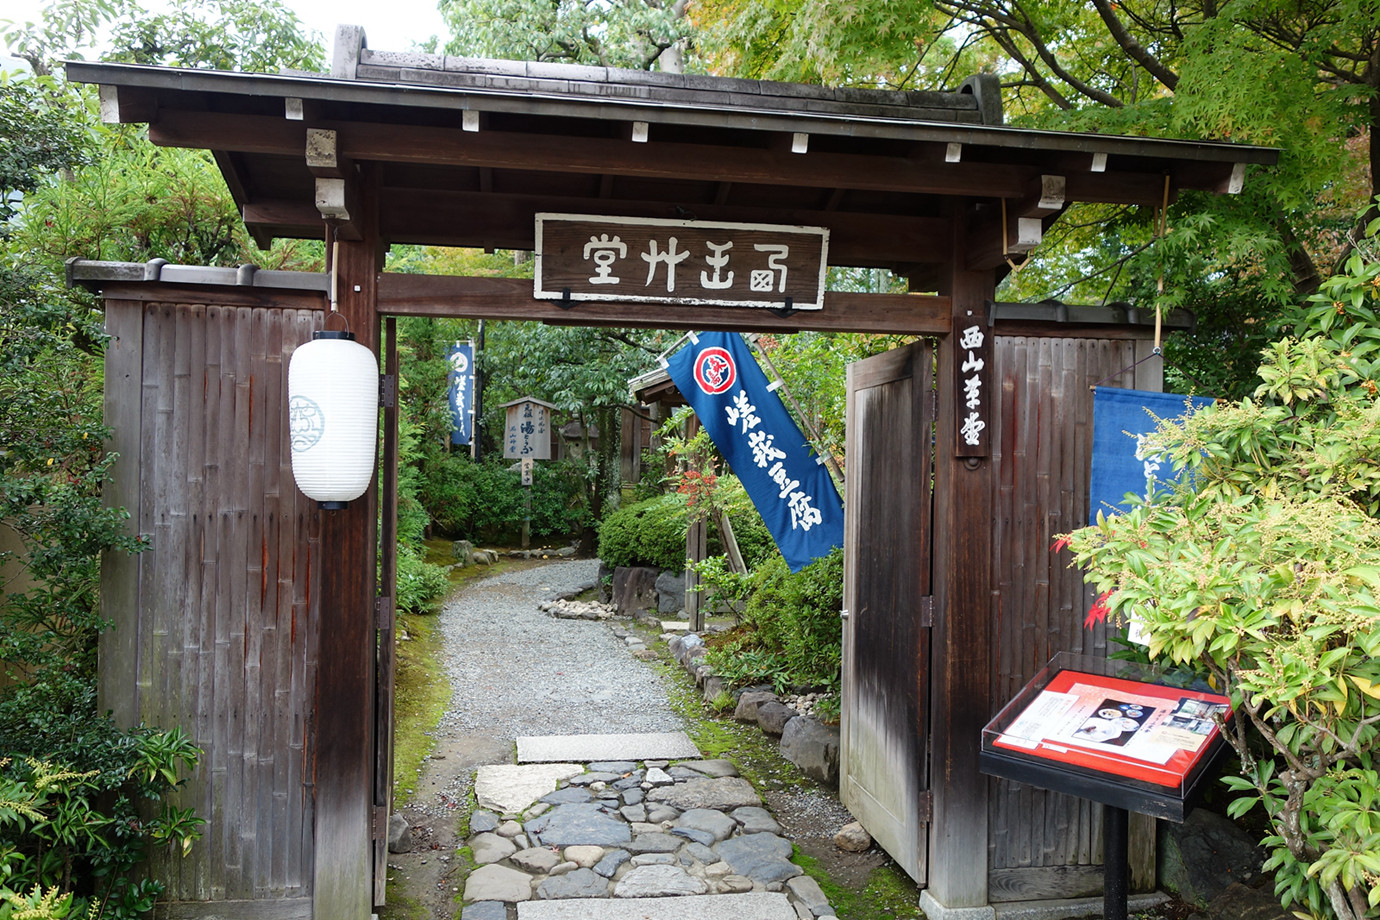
[(1084, 726)]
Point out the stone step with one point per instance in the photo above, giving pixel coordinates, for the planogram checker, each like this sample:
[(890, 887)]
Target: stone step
[(756, 905), (586, 748)]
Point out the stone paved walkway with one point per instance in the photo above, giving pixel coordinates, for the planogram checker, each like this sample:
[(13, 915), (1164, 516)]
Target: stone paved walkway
[(650, 839)]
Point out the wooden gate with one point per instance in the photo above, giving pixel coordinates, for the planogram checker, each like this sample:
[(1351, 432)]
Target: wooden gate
[(887, 600)]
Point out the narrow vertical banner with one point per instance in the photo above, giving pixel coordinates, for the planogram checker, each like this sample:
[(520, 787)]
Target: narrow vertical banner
[(973, 390), (461, 360), (722, 382)]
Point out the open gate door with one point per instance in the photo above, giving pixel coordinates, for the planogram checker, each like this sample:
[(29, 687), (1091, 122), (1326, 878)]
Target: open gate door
[(886, 595)]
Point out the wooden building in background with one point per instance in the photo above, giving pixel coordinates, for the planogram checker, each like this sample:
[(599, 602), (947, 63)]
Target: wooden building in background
[(256, 620)]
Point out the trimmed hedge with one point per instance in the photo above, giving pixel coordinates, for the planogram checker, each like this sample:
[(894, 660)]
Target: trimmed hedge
[(650, 533)]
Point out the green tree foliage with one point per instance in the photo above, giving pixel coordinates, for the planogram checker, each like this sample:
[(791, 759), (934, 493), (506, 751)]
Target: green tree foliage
[(1265, 572), (622, 33), (1302, 77)]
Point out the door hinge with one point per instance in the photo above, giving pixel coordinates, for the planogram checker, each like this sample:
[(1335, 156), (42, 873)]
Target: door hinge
[(934, 405), (383, 612), (388, 391), (927, 610), (925, 807), (378, 822)]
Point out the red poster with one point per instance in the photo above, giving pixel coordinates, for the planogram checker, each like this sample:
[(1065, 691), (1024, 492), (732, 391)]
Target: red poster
[(1141, 731)]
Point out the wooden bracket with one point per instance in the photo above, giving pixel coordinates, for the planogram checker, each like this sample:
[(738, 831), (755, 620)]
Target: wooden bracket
[(994, 237)]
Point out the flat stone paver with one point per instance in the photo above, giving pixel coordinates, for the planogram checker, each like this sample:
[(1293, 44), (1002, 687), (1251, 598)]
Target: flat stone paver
[(509, 789), (760, 905), (586, 748)]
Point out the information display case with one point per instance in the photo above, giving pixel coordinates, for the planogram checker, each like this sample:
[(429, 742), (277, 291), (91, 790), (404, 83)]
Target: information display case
[(1110, 731)]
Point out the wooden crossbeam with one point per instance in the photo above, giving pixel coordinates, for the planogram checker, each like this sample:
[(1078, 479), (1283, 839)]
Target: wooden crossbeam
[(507, 221), (441, 146), (511, 299)]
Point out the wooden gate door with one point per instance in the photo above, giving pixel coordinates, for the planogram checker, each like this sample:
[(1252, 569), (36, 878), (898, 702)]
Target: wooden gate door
[(886, 648)]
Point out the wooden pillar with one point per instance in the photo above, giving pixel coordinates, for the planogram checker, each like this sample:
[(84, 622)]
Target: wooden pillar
[(342, 886), (961, 658)]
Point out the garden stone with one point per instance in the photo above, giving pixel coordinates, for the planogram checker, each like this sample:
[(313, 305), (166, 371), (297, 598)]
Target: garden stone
[(714, 687), (722, 793), (462, 550), (510, 788), (756, 820), (634, 590), (632, 796), (734, 884), (716, 823), (613, 766), (658, 777), (1237, 902), (566, 796), (537, 860), (813, 747), (498, 883), (658, 882), (537, 809), (691, 834), (764, 858), (634, 813), (679, 772), (853, 837), (717, 869), (654, 843), (772, 717), (1205, 854), (481, 822), (670, 592), (567, 825), (629, 782), (584, 856), (612, 860), (710, 768), (581, 883), (806, 891), (589, 779), (657, 813), (748, 703), (399, 834), (561, 868), (485, 910), (509, 829), (654, 859), (490, 848), (700, 853), (521, 842), (645, 827)]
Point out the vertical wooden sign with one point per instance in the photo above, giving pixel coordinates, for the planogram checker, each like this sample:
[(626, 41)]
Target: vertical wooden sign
[(973, 396)]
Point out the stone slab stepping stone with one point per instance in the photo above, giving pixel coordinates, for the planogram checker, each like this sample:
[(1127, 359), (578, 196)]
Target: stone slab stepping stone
[(509, 789), (576, 825), (659, 882), (675, 625), (498, 883), (586, 748), (723, 794), (757, 905), (580, 883)]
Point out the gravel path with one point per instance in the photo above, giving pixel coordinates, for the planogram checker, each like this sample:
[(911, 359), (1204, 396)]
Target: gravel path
[(518, 671)]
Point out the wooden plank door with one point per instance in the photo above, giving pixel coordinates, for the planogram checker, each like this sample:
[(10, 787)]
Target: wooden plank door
[(386, 660), (883, 776)]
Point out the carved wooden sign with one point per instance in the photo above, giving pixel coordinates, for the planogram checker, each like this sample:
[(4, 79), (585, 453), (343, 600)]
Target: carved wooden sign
[(582, 257)]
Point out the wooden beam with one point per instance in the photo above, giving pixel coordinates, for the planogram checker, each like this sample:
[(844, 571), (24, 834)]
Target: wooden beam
[(507, 221), (342, 883), (444, 146), (960, 671), (511, 299)]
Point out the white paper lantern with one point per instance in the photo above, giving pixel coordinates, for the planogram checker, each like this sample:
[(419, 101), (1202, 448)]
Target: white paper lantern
[(333, 407)]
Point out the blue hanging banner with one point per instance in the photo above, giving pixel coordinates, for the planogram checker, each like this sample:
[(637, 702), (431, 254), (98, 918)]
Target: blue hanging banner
[(721, 381), (461, 360), (1120, 464)]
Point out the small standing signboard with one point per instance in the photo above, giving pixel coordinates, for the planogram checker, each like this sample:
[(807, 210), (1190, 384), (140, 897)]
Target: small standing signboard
[(527, 432), (1114, 733), (587, 257)]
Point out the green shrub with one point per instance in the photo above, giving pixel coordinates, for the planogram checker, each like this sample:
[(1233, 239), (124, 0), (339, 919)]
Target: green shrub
[(421, 585), (791, 633), (650, 533), (486, 501)]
